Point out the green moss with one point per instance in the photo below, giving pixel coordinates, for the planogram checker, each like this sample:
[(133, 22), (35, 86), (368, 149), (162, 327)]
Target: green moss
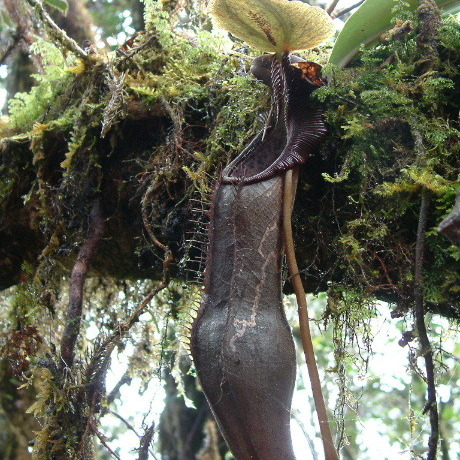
[(25, 109), (392, 133), (399, 136), (182, 64), (450, 34)]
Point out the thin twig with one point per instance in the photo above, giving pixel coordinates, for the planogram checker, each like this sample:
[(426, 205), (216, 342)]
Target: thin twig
[(419, 313), (288, 200), (126, 379), (129, 54), (144, 440), (102, 354), (125, 422), (108, 344), (59, 34), (145, 220), (175, 143), (77, 284), (103, 440), (149, 432), (168, 259), (331, 7), (10, 48), (97, 368), (114, 109), (346, 10)]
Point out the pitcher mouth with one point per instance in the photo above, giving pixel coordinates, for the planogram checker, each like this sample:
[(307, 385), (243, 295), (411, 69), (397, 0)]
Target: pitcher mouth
[(293, 130)]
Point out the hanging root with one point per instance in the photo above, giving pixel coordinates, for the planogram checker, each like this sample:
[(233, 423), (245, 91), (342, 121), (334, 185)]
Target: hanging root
[(431, 406), (290, 182)]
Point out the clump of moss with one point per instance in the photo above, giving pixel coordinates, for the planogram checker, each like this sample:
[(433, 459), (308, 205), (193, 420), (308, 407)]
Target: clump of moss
[(71, 118), (25, 109), (396, 119)]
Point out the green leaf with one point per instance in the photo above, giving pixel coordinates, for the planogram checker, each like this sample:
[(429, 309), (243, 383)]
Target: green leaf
[(367, 24), (61, 5), (273, 25)]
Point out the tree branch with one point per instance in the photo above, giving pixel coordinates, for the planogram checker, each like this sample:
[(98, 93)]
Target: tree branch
[(20, 16), (144, 441), (331, 7), (290, 182), (56, 32), (124, 421), (97, 367), (103, 440), (428, 39), (77, 284), (346, 10), (10, 48), (126, 379), (168, 259)]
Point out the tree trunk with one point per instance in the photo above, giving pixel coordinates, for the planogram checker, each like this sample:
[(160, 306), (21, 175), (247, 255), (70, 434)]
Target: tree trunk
[(78, 22), (16, 426)]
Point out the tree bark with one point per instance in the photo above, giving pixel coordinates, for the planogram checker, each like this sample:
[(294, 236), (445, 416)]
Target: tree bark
[(181, 427), (78, 22)]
